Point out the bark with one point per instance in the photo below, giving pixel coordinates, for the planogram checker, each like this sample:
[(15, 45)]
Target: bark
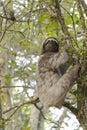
[(1, 118), (82, 103), (37, 120), (1, 83)]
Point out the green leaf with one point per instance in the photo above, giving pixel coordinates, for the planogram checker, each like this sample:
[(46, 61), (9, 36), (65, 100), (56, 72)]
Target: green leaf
[(24, 42), (7, 78)]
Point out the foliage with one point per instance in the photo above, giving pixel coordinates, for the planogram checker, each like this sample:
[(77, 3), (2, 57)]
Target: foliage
[(20, 44)]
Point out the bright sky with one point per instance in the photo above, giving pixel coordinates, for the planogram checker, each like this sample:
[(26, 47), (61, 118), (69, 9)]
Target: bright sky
[(70, 122), (86, 1)]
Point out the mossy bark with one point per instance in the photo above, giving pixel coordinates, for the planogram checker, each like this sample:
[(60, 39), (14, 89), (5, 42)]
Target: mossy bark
[(82, 103)]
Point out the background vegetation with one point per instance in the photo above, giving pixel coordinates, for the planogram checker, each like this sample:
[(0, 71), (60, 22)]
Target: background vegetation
[(24, 25)]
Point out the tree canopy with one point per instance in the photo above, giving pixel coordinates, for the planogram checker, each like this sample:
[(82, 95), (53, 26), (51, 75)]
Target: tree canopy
[(24, 25)]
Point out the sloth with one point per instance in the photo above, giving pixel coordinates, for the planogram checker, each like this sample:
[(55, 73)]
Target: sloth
[(54, 77)]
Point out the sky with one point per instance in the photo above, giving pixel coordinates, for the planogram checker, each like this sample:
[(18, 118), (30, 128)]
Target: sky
[(70, 122), (85, 1)]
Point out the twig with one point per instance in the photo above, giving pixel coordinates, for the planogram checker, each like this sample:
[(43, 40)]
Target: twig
[(34, 101), (28, 87)]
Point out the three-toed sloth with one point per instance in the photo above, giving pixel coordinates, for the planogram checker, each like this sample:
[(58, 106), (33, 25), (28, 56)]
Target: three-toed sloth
[(53, 80)]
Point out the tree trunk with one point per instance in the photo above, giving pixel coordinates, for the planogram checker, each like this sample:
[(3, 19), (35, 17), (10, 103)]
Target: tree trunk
[(37, 121), (1, 119), (1, 83), (82, 104)]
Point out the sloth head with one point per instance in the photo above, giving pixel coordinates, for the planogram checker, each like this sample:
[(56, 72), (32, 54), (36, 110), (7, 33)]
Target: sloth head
[(50, 45)]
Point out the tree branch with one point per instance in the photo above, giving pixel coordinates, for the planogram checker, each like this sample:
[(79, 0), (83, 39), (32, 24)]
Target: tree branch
[(84, 6), (28, 87), (34, 101), (61, 20), (81, 14)]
